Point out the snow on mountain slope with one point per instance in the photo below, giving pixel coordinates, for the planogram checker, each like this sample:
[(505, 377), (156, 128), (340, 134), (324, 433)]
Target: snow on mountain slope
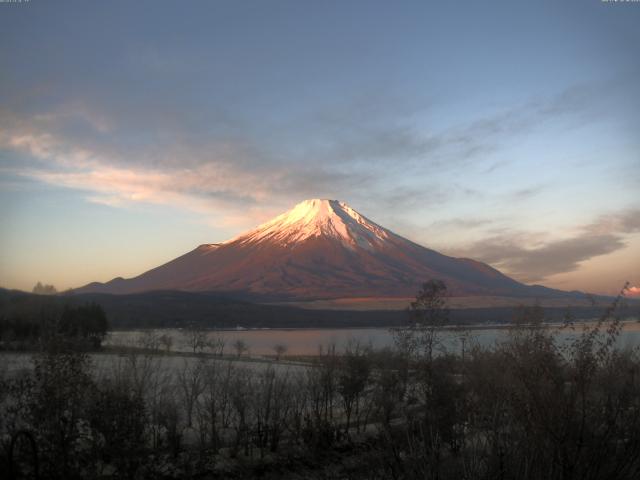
[(318, 217), (319, 249)]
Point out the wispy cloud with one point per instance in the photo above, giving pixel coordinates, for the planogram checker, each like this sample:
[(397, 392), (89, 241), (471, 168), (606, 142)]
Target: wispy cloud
[(223, 167), (512, 251), (464, 223), (525, 193), (108, 178), (386, 139)]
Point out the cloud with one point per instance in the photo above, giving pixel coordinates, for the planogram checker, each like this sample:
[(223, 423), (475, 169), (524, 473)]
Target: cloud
[(214, 162), (207, 187), (534, 264), (633, 292), (204, 176), (511, 252), (623, 222), (525, 193), (495, 166), (388, 139), (460, 223)]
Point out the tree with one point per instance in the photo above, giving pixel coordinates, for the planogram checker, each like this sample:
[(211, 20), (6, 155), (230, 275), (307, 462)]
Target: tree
[(118, 417), (149, 340), (428, 314), (45, 289), (214, 406), (85, 322), (240, 347), (61, 394), (166, 341), (280, 350), (216, 344), (353, 376), (191, 382), (195, 337)]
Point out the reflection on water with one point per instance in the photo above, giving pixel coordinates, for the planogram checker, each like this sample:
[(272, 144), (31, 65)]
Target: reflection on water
[(308, 341)]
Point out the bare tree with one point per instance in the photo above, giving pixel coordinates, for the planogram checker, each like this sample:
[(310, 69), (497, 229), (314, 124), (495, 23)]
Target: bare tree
[(190, 380), (240, 346), (299, 403), (149, 340), (242, 389), (322, 385), (166, 341), (271, 407), (195, 337), (280, 350), (428, 314), (217, 344), (214, 407), (353, 377)]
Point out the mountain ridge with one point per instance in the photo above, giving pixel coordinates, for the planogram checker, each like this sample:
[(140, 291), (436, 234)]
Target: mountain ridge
[(320, 249)]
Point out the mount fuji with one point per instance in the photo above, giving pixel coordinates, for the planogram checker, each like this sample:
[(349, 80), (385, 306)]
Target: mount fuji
[(320, 249)]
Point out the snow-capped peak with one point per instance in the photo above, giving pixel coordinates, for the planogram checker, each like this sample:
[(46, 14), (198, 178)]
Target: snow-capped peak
[(315, 218)]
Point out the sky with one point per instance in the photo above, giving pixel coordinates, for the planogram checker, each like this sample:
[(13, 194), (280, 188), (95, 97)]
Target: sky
[(505, 131)]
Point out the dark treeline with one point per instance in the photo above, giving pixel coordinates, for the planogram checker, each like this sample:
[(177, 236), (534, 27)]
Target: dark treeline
[(177, 309), (27, 324), (174, 309), (527, 408)]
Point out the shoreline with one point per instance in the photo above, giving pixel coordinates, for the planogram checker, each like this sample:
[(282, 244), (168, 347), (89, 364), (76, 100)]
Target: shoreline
[(630, 322)]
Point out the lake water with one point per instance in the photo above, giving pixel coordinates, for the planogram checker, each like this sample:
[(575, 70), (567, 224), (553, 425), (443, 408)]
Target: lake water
[(298, 342), (309, 341)]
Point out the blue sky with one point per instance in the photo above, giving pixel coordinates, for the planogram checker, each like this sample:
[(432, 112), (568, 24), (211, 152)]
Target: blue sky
[(131, 132)]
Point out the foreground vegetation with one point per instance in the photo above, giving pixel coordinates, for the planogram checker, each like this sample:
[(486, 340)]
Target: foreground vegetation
[(528, 408)]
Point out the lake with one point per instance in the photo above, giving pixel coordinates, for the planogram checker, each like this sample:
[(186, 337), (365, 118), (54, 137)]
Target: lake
[(308, 341)]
